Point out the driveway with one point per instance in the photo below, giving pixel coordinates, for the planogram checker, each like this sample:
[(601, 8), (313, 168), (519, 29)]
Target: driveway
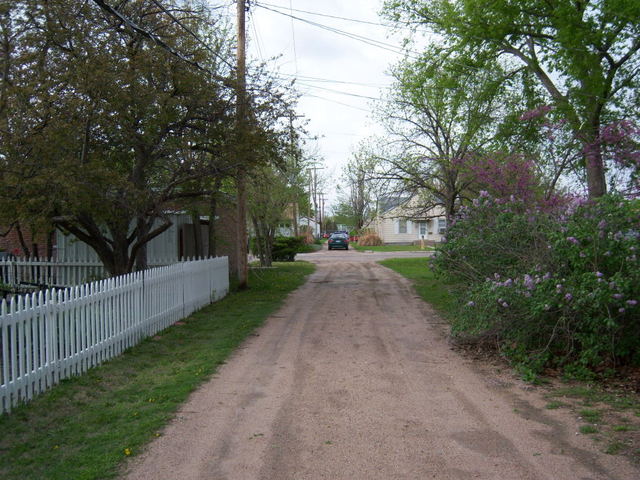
[(354, 379)]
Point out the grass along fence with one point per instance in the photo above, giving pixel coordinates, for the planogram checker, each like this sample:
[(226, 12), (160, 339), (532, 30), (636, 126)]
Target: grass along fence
[(54, 334)]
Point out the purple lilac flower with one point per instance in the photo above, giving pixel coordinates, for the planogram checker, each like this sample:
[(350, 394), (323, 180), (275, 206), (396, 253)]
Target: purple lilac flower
[(484, 193), (582, 255), (471, 304), (633, 303), (528, 282), (602, 224), (505, 304), (599, 274), (546, 276), (559, 287), (568, 297), (621, 310), (573, 240), (617, 296)]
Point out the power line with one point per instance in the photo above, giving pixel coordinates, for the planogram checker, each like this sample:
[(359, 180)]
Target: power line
[(190, 32), (369, 41), (293, 37), (335, 101), (344, 93), (145, 33), (307, 78), (326, 15)]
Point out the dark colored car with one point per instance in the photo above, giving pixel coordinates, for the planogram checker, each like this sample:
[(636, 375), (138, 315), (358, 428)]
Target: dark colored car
[(338, 240)]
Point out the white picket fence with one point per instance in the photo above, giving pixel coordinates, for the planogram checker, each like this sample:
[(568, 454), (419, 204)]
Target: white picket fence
[(58, 333), (44, 272)]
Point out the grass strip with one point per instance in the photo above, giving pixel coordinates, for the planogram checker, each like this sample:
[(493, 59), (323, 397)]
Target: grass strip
[(390, 248), (86, 426), (432, 290)]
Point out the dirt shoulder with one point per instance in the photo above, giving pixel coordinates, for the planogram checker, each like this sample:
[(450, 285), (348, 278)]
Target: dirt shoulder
[(354, 379)]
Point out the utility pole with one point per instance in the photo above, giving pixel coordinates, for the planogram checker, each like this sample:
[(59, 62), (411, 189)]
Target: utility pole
[(321, 194), (241, 150), (313, 191), (294, 161)]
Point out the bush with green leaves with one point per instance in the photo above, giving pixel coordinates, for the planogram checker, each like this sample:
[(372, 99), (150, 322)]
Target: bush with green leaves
[(575, 302), (286, 248), (494, 236)]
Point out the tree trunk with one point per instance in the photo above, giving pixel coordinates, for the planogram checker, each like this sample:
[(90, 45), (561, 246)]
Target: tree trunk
[(594, 163), (142, 260), (23, 244)]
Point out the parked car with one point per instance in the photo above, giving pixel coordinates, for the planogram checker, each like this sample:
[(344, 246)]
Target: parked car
[(338, 240)]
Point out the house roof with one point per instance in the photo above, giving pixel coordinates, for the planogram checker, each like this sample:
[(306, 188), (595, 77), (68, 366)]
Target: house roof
[(389, 203)]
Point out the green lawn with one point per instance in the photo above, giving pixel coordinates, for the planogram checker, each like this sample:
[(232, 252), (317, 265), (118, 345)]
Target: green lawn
[(430, 288), (86, 426), (390, 248)]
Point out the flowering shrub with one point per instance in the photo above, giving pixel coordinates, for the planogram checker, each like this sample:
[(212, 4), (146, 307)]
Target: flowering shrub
[(578, 304), (494, 236)]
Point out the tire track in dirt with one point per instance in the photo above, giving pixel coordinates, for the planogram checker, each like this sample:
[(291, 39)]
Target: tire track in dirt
[(353, 379)]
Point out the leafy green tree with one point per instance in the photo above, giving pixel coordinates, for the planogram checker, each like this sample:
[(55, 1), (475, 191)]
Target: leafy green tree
[(440, 118), (109, 122), (584, 54)]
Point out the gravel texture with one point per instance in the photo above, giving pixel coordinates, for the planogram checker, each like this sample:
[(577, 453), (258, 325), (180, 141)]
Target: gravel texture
[(354, 379)]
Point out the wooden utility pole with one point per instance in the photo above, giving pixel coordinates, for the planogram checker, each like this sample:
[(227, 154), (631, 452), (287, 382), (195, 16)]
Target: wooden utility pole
[(241, 125)]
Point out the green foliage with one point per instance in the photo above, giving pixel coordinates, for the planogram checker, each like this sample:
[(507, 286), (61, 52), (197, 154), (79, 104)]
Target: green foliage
[(81, 428), (493, 236), (583, 55), (286, 248), (572, 300)]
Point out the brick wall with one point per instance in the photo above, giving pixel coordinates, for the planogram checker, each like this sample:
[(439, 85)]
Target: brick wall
[(10, 243)]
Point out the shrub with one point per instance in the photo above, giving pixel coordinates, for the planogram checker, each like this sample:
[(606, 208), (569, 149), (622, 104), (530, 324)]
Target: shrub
[(369, 240), (494, 236), (285, 248), (575, 302)]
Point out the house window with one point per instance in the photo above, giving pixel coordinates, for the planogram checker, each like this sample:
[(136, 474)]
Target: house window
[(423, 229), (442, 225), (402, 226)]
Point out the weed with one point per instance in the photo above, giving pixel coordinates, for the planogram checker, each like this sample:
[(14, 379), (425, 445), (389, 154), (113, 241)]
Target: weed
[(614, 447), (592, 416), (586, 429)]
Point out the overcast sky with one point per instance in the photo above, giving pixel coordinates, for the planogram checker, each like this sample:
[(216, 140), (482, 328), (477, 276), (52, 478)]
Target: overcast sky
[(321, 60)]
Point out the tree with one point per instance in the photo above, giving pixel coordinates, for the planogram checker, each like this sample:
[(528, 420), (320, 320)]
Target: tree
[(585, 54), (109, 121), (440, 118), (358, 198)]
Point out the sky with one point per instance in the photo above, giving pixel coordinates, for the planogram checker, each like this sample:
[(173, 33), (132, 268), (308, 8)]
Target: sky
[(334, 72)]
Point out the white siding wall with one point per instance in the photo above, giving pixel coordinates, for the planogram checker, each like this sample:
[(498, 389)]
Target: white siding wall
[(387, 229), (162, 249)]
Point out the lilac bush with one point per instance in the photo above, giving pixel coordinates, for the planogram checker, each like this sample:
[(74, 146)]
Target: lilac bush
[(572, 300)]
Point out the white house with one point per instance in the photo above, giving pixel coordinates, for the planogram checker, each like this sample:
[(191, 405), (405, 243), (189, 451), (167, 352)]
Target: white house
[(402, 222)]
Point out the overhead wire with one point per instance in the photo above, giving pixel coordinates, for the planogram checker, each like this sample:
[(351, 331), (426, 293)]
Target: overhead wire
[(355, 20), (158, 41), (370, 41), (293, 38), (190, 32)]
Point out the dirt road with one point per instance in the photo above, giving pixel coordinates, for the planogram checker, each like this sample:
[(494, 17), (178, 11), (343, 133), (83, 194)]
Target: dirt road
[(353, 379)]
